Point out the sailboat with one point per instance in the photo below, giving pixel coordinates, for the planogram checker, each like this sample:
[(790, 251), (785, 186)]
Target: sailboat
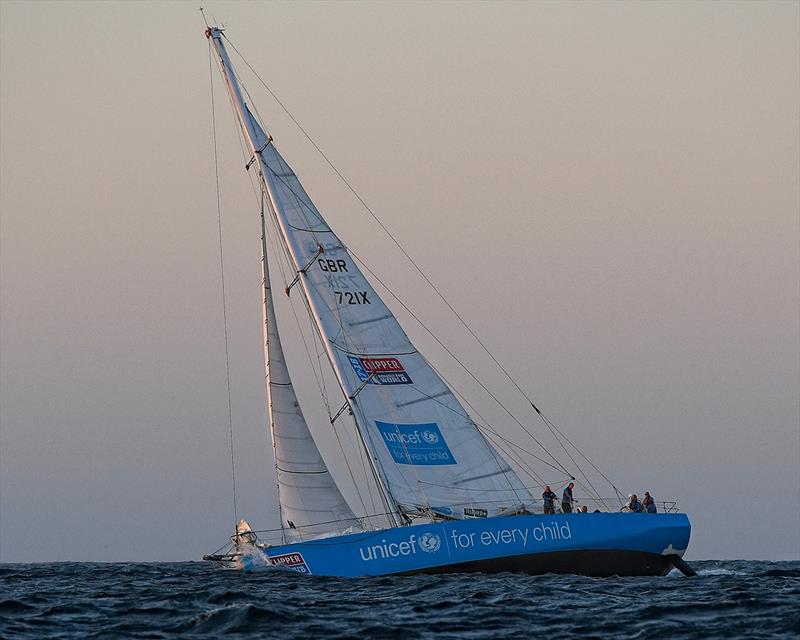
[(450, 501)]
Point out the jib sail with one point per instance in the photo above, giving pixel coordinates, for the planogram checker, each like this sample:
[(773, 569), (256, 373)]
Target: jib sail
[(311, 503)]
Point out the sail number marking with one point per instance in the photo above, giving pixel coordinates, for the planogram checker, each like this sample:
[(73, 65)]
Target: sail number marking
[(333, 266), (348, 297)]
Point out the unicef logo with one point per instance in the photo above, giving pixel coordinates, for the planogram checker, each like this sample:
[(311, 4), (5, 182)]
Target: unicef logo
[(430, 437), (430, 542)]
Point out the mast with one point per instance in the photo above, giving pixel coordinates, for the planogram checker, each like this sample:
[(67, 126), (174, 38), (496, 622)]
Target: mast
[(258, 142)]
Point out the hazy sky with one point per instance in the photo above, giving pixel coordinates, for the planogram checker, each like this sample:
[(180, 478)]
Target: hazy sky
[(607, 192)]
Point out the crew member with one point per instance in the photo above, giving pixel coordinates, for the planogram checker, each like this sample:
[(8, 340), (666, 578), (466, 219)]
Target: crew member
[(648, 503), (566, 499), (549, 499), (634, 505)]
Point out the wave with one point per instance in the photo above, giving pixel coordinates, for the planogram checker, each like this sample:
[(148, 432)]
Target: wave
[(196, 600)]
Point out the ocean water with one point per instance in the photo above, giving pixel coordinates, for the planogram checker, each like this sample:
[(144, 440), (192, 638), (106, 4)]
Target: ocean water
[(195, 600)]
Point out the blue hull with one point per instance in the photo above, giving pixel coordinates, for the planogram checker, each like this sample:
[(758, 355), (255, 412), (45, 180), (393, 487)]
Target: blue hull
[(596, 544)]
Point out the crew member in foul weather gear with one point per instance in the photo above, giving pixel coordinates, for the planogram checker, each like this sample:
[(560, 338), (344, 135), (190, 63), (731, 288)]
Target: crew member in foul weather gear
[(549, 499), (633, 504), (566, 499), (648, 503)]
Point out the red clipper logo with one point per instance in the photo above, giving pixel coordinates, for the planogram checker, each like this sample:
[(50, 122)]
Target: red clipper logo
[(380, 370), (293, 561)]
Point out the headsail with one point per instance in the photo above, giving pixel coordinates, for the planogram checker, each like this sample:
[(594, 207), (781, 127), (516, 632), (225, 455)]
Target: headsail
[(429, 454), (311, 503)]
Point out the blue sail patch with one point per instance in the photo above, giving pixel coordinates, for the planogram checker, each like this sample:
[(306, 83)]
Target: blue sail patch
[(417, 444)]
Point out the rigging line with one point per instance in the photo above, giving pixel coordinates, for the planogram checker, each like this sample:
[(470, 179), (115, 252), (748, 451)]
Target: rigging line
[(526, 468), (559, 466), (320, 352), (479, 425), (471, 421), (594, 498), (349, 470), (408, 257), (385, 494), (362, 452), (550, 426), (507, 450), (512, 455), (485, 423), (449, 486), (620, 495), (554, 430), (569, 455), (222, 281)]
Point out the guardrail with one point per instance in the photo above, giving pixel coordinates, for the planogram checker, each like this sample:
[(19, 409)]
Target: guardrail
[(612, 505), (380, 521)]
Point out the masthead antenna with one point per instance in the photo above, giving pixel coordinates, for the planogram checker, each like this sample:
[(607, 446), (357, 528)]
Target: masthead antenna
[(202, 13)]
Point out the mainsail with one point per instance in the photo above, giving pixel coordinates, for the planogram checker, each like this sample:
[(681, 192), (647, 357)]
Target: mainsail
[(429, 454), (310, 502)]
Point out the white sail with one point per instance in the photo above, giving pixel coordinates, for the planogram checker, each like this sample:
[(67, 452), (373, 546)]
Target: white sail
[(310, 502), (428, 452)]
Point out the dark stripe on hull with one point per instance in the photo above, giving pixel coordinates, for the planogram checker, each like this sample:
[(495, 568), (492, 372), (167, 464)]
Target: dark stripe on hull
[(599, 563)]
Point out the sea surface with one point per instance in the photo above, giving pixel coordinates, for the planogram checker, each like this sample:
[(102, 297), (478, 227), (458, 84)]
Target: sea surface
[(741, 599)]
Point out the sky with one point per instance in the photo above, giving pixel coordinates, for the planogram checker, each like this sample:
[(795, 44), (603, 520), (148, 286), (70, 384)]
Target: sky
[(608, 193)]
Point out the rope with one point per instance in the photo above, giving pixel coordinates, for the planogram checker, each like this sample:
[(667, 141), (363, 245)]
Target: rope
[(222, 282)]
